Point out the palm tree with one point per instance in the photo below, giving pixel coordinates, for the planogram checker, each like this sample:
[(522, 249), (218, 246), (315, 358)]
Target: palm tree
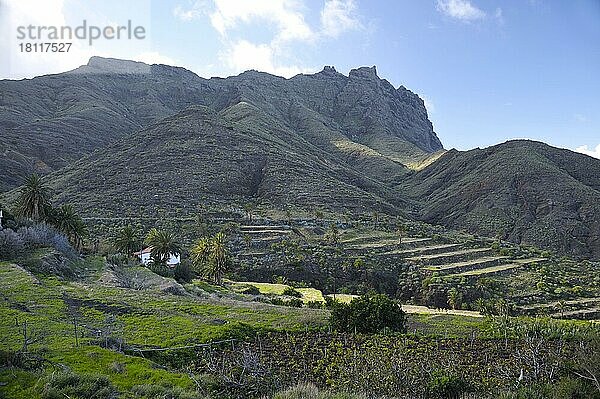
[(163, 244), (127, 241), (34, 199), (67, 221), (210, 257)]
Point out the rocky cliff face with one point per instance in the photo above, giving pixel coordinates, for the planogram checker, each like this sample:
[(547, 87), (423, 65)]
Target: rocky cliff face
[(50, 121)]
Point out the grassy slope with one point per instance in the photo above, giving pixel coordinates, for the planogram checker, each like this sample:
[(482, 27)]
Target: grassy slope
[(140, 317)]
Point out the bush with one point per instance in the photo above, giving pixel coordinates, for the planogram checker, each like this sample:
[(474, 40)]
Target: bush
[(183, 273), (569, 388), (315, 304), (23, 360), (11, 244), (368, 314), (161, 269), (41, 235), (70, 385), (119, 260), (295, 302), (445, 386), (309, 391), (250, 290), (291, 291), (161, 392)]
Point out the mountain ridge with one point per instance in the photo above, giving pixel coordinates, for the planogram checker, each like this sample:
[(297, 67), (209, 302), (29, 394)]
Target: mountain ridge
[(69, 115), (355, 144)]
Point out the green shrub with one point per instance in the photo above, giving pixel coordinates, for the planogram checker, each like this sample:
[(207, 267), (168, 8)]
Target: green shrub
[(294, 302), (250, 290), (444, 386), (161, 269), (22, 360), (309, 391), (570, 388), (183, 273), (161, 392), (315, 304), (70, 385), (291, 291), (368, 314)]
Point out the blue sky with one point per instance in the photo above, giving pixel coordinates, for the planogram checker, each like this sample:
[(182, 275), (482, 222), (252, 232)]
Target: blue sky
[(489, 71)]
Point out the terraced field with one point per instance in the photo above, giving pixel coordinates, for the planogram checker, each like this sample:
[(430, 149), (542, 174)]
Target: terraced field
[(451, 257), (262, 236)]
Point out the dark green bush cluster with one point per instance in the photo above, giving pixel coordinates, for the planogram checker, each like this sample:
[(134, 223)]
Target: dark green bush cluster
[(565, 388), (315, 304), (444, 386), (183, 273), (294, 302), (250, 290), (309, 391), (291, 291), (369, 314), (162, 392), (70, 385)]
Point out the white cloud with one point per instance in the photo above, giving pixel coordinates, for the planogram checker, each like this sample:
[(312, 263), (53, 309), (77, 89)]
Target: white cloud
[(285, 18), (499, 16), (16, 64), (244, 55), (185, 15), (338, 16), (588, 151), (429, 105), (284, 14), (154, 57), (581, 118), (462, 10), (289, 26)]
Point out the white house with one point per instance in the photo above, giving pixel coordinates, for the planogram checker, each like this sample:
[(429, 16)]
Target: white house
[(144, 256)]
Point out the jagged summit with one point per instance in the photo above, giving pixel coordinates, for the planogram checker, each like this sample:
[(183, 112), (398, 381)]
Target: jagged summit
[(113, 65), (364, 72)]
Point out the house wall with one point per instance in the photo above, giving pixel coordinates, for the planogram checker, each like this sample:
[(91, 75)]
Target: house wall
[(173, 259)]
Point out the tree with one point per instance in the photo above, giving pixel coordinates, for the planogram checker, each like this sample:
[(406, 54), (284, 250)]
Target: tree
[(368, 314), (588, 361), (210, 257), (68, 222), (288, 216), (163, 244), (249, 208), (332, 236), (376, 219), (319, 215), (34, 199), (401, 230), (202, 221), (454, 298), (127, 241)]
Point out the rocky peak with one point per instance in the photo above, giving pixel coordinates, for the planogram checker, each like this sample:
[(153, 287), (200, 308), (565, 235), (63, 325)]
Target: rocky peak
[(364, 73), (113, 65), (329, 70)]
